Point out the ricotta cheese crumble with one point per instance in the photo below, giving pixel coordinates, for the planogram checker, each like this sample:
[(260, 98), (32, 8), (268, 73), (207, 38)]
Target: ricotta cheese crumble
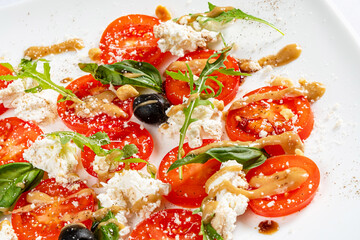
[(58, 160), (229, 205), (6, 231), (133, 190), (179, 39), (208, 124), (28, 106)]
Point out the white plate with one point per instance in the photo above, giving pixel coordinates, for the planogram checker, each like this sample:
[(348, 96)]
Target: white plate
[(330, 55)]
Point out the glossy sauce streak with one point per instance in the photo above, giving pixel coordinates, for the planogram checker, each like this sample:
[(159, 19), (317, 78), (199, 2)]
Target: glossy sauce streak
[(97, 104), (42, 51), (312, 91), (289, 141), (268, 227), (286, 55)]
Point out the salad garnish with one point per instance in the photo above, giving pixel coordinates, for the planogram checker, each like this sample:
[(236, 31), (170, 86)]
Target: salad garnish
[(106, 228), (16, 178), (199, 91), (95, 143), (28, 69), (224, 15), (140, 74), (249, 157)]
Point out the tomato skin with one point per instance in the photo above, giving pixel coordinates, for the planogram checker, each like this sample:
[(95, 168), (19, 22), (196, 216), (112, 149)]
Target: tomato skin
[(190, 191), (132, 37), (175, 89), (267, 114), (130, 132), (3, 84), (28, 226), (16, 135), (169, 224), (82, 87), (293, 201)]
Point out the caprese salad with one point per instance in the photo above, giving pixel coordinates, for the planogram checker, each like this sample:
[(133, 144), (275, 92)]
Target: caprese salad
[(210, 178)]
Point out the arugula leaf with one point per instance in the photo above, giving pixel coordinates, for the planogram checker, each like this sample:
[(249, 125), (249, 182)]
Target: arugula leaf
[(209, 233), (249, 157), (16, 178), (28, 70), (225, 17), (178, 75), (197, 87), (8, 66), (95, 143), (109, 231), (140, 74)]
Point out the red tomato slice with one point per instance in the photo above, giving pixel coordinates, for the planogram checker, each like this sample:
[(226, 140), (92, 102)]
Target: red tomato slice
[(266, 116), (132, 37), (170, 224), (45, 220), (176, 89), (4, 84), (293, 201), (83, 87), (16, 135), (190, 191), (128, 133)]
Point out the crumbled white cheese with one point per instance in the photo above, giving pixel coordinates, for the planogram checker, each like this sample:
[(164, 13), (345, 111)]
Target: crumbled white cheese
[(6, 231), (229, 205), (33, 107), (208, 124), (28, 106), (129, 188), (179, 39), (14, 90), (50, 155)]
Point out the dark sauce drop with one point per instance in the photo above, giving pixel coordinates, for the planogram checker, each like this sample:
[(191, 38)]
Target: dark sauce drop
[(268, 227)]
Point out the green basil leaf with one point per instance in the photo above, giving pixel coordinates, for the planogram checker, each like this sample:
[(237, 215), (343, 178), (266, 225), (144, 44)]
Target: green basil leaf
[(247, 156), (108, 231), (144, 74), (209, 232), (12, 176)]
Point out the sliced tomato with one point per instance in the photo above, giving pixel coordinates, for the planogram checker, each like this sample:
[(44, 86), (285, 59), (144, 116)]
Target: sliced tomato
[(16, 135), (127, 133), (170, 224), (4, 84), (47, 219), (267, 116), (293, 201), (132, 37), (176, 90), (83, 87), (190, 191)]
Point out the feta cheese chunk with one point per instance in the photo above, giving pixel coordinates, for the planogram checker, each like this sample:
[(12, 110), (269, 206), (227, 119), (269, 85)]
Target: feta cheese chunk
[(135, 191), (59, 161), (208, 124), (28, 106), (229, 205), (179, 39), (33, 107), (6, 231), (14, 90)]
